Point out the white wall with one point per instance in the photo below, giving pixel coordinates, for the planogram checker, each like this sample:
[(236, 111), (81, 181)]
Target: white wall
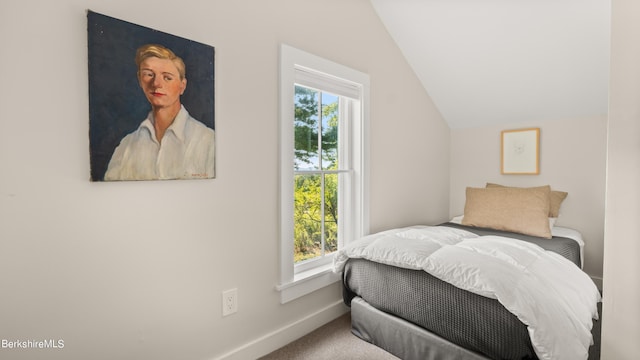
[(621, 314), (572, 159), (135, 270)]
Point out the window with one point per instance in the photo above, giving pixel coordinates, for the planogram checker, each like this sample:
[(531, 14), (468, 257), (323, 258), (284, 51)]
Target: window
[(323, 148)]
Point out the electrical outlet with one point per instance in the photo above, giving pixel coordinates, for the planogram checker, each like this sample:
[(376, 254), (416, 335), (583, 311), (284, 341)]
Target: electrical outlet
[(229, 302)]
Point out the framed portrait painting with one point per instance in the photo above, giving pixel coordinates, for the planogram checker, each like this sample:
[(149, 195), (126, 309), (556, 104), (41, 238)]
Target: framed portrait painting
[(151, 103), (520, 153)]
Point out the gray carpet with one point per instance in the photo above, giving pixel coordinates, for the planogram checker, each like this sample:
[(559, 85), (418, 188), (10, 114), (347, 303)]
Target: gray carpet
[(332, 341), (335, 341)]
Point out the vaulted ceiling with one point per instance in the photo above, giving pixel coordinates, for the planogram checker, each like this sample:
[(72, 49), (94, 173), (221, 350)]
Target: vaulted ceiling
[(488, 62)]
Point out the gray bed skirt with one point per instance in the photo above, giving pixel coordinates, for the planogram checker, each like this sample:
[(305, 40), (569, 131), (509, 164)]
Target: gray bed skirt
[(402, 338)]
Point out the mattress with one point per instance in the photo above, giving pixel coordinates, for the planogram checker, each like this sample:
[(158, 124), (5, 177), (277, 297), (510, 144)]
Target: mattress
[(471, 321)]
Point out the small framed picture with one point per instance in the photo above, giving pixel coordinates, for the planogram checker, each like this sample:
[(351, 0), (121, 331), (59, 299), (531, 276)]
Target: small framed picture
[(520, 151)]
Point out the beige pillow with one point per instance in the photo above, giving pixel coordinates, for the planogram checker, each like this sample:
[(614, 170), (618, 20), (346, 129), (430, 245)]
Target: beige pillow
[(555, 200), (521, 210)]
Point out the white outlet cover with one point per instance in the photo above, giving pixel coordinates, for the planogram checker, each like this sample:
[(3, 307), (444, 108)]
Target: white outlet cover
[(229, 302)]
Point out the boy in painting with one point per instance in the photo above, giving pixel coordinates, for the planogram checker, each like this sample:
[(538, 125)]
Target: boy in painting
[(169, 143)]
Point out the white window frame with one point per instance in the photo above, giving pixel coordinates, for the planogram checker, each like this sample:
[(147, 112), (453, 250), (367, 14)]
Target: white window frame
[(300, 67)]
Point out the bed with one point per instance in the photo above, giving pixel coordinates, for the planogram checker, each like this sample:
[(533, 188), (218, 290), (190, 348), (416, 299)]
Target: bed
[(429, 292)]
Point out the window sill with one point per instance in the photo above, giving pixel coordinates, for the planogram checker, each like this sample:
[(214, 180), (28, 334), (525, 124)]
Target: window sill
[(307, 281)]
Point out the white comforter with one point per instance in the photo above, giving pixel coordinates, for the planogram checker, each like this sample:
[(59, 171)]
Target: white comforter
[(548, 293)]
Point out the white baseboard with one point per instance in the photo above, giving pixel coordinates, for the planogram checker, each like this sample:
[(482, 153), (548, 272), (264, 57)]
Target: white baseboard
[(281, 337)]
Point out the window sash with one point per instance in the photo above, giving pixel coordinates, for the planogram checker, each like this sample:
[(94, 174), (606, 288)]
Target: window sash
[(343, 190), (345, 186)]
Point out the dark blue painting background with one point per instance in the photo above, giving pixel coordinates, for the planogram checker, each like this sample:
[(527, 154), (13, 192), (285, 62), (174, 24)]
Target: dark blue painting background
[(117, 105)]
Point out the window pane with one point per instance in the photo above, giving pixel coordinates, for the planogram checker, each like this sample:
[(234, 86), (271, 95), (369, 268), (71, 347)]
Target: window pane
[(307, 213), (329, 131), (331, 213), (316, 127), (306, 143)]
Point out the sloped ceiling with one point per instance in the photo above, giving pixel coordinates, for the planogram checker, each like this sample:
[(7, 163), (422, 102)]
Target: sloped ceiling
[(488, 62)]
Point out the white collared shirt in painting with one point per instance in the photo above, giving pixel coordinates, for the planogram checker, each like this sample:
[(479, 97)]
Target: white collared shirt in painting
[(185, 152)]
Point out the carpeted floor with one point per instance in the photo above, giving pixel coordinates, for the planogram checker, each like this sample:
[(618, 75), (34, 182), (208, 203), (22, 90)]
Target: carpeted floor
[(334, 341)]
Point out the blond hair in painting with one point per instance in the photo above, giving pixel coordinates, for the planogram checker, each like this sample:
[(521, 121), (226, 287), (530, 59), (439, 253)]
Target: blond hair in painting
[(161, 52)]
